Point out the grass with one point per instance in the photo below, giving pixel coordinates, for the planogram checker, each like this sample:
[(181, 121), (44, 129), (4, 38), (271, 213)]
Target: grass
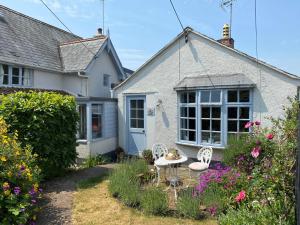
[(94, 205)]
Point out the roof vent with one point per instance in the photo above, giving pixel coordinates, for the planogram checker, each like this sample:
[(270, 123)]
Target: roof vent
[(1, 16)]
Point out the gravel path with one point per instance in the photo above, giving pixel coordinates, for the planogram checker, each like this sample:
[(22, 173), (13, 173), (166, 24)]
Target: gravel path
[(58, 195)]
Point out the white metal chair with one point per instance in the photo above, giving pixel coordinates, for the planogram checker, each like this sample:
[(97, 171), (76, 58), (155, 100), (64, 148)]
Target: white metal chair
[(204, 157), (158, 151)]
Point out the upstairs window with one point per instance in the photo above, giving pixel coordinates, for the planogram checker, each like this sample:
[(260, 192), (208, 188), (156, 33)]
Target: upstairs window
[(106, 80), (15, 76)]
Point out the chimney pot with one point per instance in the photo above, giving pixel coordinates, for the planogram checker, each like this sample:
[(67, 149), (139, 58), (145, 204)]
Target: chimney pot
[(99, 30), (227, 40)]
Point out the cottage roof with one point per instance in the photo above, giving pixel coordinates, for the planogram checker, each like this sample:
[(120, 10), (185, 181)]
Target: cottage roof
[(30, 42), (215, 80), (77, 55)]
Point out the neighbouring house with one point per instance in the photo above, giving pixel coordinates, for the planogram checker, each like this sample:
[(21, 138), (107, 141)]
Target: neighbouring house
[(197, 91), (36, 55)]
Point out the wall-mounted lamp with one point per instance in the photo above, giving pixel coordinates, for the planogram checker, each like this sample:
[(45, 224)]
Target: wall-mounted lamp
[(158, 103)]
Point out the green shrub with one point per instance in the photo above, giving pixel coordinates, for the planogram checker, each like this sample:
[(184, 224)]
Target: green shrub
[(127, 172), (47, 122), (130, 193), (93, 161), (147, 155), (19, 180), (188, 204), (154, 201)]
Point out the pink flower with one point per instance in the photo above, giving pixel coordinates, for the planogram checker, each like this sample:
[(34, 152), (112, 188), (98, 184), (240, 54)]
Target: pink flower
[(241, 196), (255, 152), (257, 123), (249, 124), (270, 136), (213, 211)]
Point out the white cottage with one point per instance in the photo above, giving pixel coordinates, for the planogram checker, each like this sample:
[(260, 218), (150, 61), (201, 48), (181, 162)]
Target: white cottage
[(197, 91), (36, 55)]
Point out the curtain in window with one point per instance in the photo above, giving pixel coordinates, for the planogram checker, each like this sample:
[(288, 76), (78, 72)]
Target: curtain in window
[(26, 77)]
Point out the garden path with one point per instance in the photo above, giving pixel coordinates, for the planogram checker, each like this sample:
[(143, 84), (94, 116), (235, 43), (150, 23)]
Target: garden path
[(58, 195)]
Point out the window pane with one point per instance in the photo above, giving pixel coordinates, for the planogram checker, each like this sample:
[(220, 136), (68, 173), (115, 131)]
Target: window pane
[(183, 97), (244, 96), (26, 77), (216, 112), (232, 126), (192, 124), (205, 124), (192, 112), (140, 114), (184, 135), (205, 136), (205, 96), (192, 97), (15, 80), (15, 75), (232, 96), (140, 104), (140, 124), (96, 109), (232, 112), (192, 136), (82, 122), (205, 112), (216, 125), (183, 111), (244, 113), (216, 138), (133, 113), (96, 126), (133, 123), (133, 104), (183, 123), (215, 96), (242, 126)]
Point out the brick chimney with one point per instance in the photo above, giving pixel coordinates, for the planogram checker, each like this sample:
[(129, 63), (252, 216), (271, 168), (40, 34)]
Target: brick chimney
[(227, 40)]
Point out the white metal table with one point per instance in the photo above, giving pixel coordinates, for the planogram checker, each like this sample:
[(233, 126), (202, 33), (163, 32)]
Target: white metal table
[(173, 167)]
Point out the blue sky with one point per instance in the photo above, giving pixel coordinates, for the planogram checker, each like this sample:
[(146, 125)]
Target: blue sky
[(139, 28)]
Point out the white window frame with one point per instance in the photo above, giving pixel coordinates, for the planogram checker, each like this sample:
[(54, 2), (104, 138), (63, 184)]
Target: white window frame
[(223, 104), (20, 76)]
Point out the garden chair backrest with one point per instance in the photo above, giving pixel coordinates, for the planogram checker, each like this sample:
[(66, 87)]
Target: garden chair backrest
[(159, 150), (204, 155)]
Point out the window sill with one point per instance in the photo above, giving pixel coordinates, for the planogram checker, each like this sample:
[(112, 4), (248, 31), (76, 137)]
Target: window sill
[(198, 145), (82, 141)]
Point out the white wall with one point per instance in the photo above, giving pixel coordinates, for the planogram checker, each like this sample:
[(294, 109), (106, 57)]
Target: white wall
[(75, 84), (47, 80), (102, 65), (198, 57)]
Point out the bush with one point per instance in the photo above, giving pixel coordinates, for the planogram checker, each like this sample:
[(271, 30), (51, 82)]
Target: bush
[(126, 173), (130, 193), (147, 155), (93, 161), (188, 204), (19, 180), (154, 201), (47, 122)]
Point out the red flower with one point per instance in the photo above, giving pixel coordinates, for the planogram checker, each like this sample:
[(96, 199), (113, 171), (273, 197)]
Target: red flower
[(241, 196), (257, 123), (256, 151), (270, 136)]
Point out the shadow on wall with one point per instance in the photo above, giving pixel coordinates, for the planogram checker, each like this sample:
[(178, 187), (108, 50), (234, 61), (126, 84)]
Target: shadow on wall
[(165, 119)]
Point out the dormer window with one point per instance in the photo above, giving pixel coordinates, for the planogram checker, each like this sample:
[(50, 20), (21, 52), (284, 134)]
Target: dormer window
[(15, 76)]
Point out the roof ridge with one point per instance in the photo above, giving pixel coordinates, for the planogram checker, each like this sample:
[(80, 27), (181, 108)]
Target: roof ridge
[(38, 21), (83, 40)]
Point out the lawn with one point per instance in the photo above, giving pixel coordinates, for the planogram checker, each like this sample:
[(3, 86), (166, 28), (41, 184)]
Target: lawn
[(94, 205)]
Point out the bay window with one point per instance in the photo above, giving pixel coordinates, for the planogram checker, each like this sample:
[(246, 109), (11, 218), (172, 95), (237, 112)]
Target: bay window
[(15, 76), (207, 117)]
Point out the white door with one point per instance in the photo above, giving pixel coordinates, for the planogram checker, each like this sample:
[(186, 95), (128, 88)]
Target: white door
[(136, 137)]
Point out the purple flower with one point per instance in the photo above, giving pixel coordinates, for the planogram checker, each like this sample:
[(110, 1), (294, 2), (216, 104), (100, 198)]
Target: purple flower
[(33, 201), (32, 192), (213, 210), (22, 168), (17, 190)]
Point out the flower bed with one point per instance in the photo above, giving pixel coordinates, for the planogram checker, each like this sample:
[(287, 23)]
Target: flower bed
[(19, 180)]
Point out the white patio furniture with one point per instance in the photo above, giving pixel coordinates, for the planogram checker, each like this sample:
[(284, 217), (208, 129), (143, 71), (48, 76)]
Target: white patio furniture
[(158, 152), (173, 169), (204, 158)]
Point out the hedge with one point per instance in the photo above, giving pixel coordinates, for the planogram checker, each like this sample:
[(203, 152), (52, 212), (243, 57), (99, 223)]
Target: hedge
[(46, 121)]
